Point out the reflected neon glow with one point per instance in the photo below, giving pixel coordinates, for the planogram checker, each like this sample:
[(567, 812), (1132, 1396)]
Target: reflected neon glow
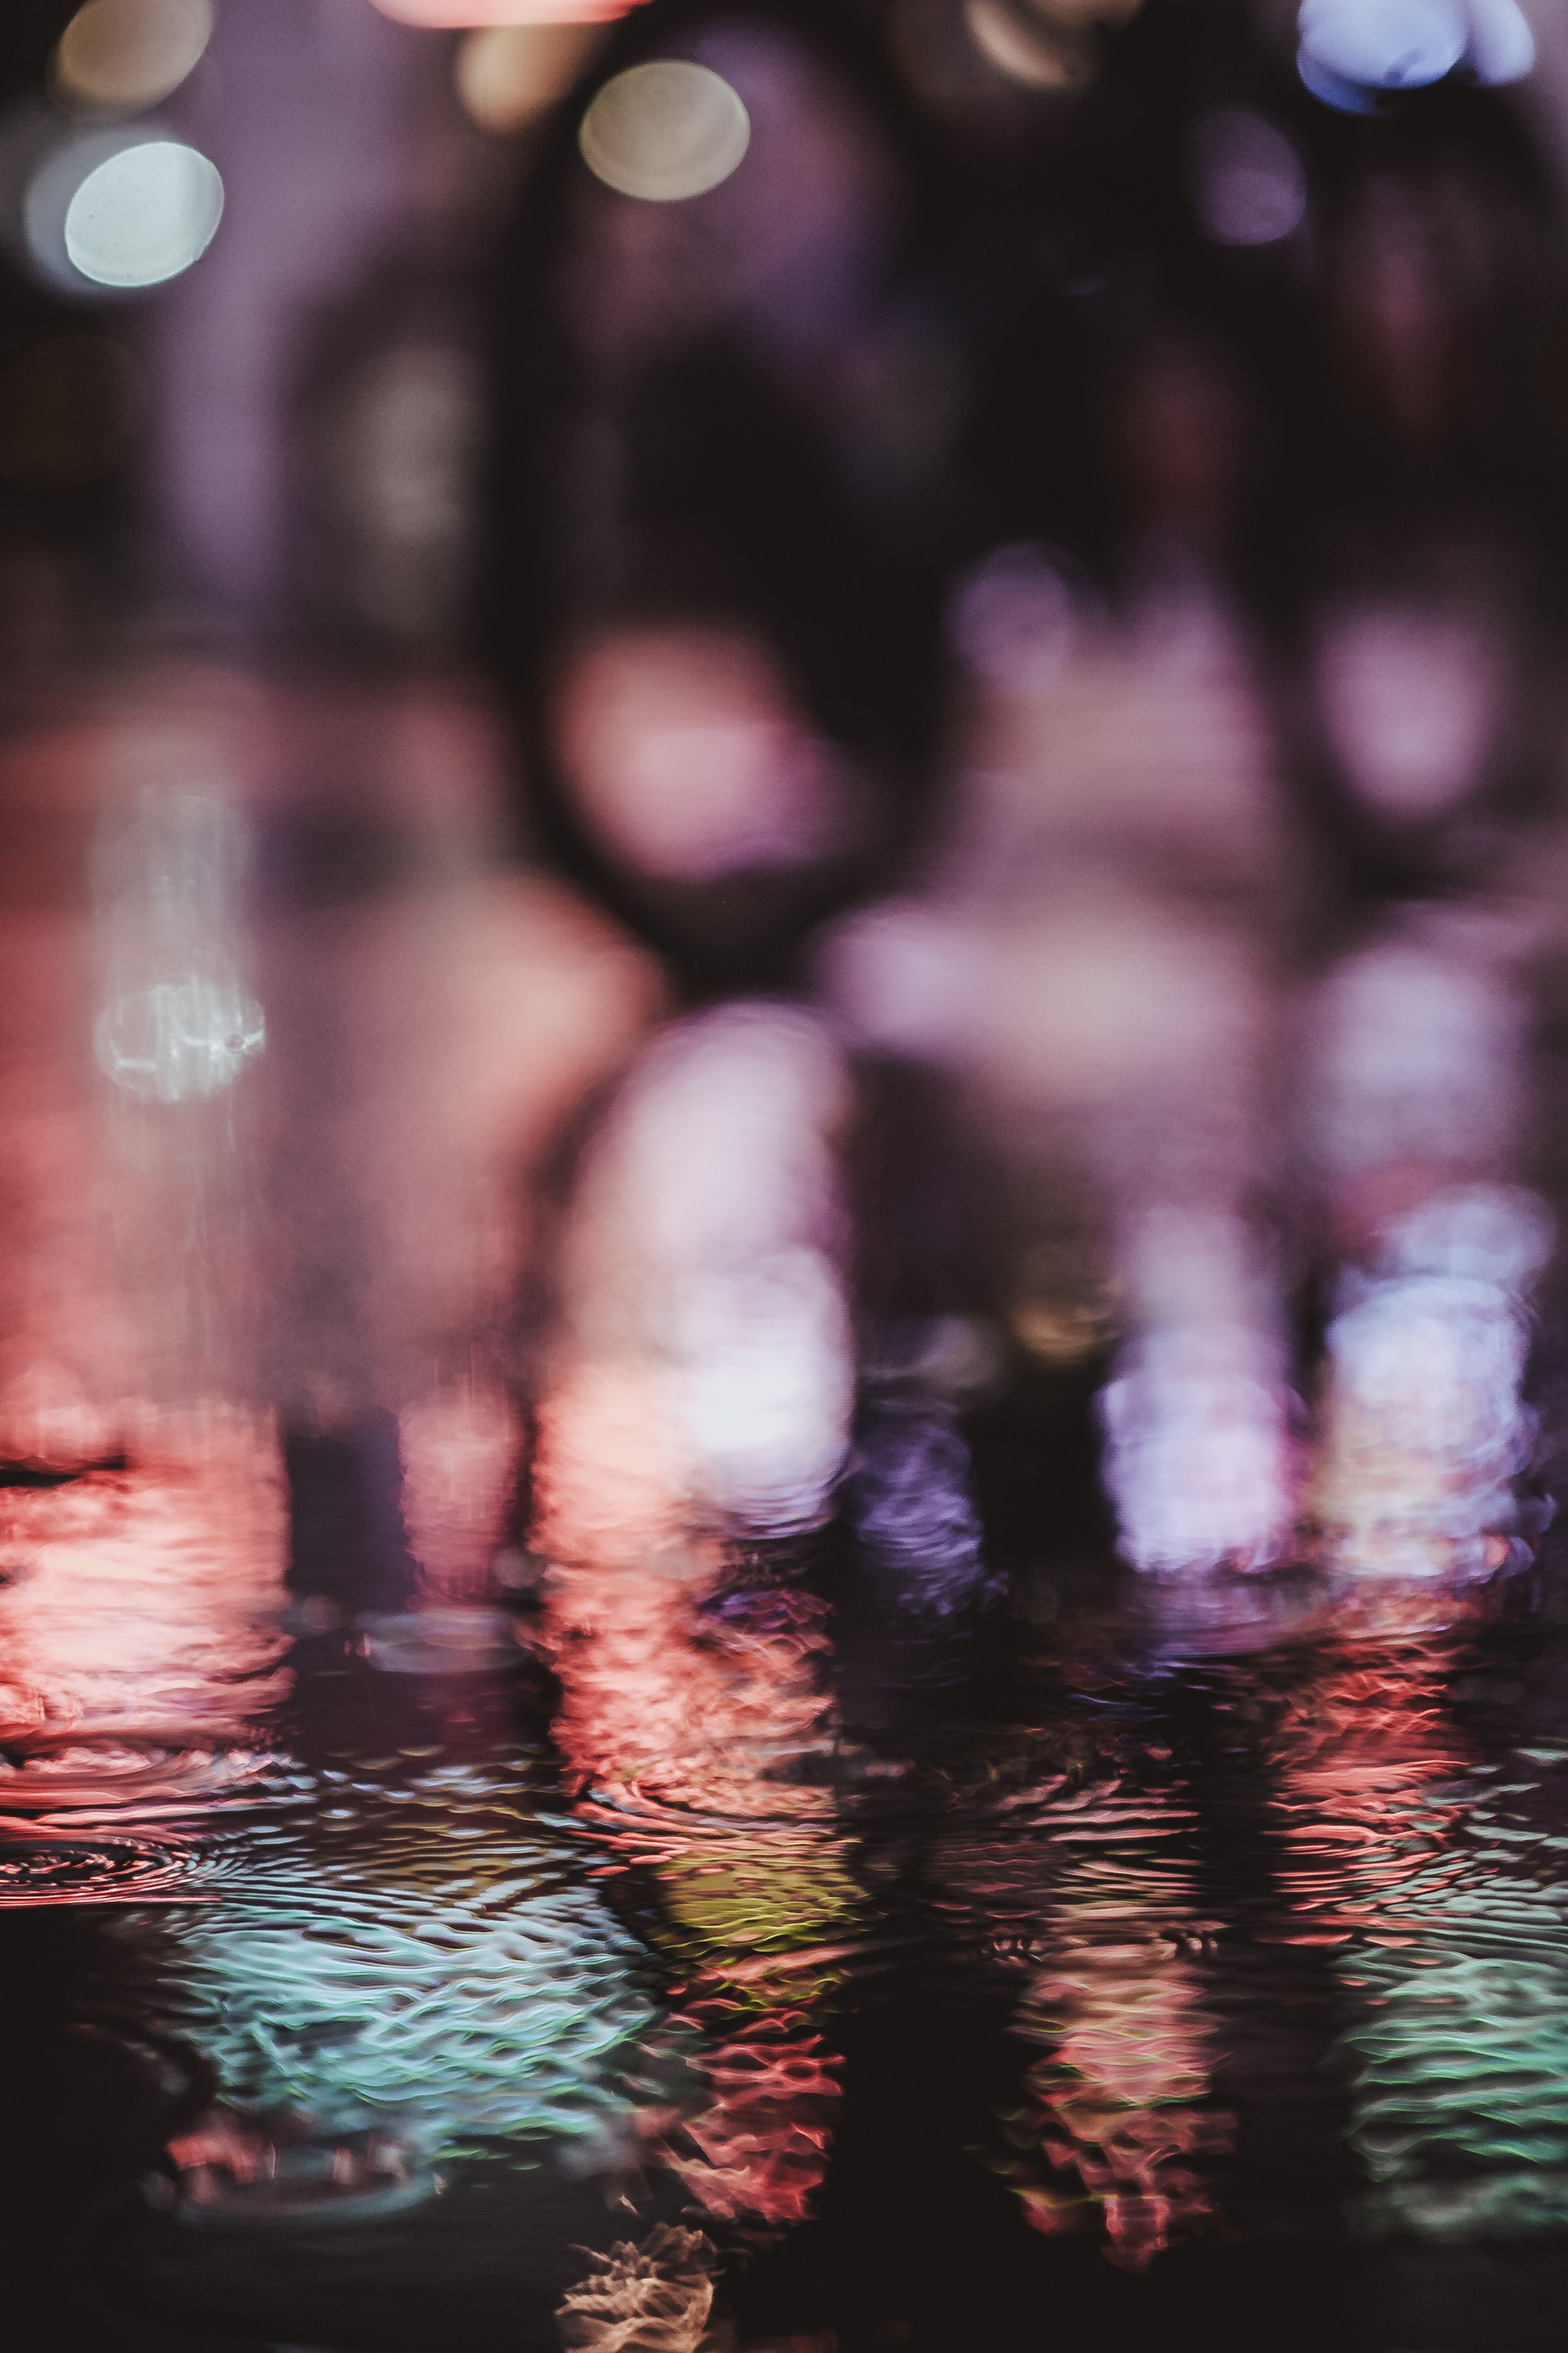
[(433, 1975), (680, 1724)]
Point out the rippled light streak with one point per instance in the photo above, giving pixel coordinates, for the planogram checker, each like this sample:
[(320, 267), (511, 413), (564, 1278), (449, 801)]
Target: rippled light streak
[(1425, 1428), (682, 1721), (1432, 1882), (140, 1657), (1087, 1886), (914, 1511), (142, 1599), (657, 2295), (459, 1453), (1198, 1461), (433, 1973)]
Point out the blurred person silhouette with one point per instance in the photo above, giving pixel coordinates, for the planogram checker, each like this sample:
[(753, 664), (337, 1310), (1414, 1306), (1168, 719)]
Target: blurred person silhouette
[(727, 493), (1335, 470), (965, 432)]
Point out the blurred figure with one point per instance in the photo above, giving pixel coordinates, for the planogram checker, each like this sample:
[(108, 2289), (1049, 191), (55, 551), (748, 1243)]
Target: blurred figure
[(757, 590), (1399, 503), (750, 427)]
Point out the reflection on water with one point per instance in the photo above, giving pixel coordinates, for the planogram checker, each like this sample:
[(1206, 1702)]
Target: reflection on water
[(658, 2294), (1424, 1865), (691, 1719), (660, 1815), (139, 1653), (1086, 1882), (403, 1954)]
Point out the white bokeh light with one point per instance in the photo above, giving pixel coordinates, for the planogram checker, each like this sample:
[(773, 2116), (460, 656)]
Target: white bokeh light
[(1350, 48), (664, 130), (1385, 44), (143, 214), (180, 1040)]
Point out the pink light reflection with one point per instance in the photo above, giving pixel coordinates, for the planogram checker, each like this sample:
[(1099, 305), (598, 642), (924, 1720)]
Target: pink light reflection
[(458, 15), (1089, 1887), (458, 1450), (680, 1727), (145, 1600)]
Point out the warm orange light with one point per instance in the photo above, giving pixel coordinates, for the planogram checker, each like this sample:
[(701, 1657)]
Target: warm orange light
[(454, 16)]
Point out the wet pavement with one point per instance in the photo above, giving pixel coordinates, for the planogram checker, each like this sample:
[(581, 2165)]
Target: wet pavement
[(426, 1926)]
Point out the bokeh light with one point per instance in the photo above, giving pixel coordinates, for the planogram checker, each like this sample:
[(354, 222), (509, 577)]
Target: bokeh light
[(690, 761), (713, 1373), (1503, 47), (180, 1040), (507, 76), (1019, 46), (1386, 44), (144, 214), (458, 15), (1411, 701), (118, 55), (1248, 183), (664, 130)]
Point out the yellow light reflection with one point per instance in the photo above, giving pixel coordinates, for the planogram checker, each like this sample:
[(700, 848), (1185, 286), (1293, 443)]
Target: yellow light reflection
[(509, 75), (1036, 55), (117, 56)]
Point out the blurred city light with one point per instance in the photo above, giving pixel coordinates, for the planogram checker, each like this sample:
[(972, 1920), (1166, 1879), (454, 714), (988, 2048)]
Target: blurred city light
[(690, 762), (180, 1040), (1353, 47), (1039, 55), (665, 132), (110, 211), (1249, 184), (457, 16), (144, 214), (118, 56), (508, 75)]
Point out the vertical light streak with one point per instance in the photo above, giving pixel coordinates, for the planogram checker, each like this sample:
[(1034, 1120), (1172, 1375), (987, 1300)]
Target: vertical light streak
[(458, 1450), (1086, 1885)]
